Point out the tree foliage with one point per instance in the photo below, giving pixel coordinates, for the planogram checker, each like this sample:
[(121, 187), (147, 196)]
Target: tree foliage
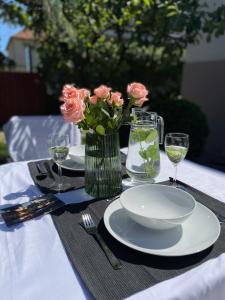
[(115, 42), (5, 62), (94, 41)]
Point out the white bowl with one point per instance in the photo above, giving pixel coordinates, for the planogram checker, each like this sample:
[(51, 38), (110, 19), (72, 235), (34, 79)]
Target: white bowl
[(77, 153), (157, 206)]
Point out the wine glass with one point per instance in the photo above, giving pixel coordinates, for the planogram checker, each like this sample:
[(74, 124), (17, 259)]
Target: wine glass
[(176, 147), (59, 149)]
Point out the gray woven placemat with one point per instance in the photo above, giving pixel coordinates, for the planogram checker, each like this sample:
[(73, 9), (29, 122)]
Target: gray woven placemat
[(139, 270), (73, 179)]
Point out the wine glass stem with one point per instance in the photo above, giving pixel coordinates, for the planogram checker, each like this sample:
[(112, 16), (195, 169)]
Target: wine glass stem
[(175, 175), (59, 178)]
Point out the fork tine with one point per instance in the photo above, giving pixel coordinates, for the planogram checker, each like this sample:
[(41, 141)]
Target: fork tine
[(91, 221), (87, 220), (84, 218)]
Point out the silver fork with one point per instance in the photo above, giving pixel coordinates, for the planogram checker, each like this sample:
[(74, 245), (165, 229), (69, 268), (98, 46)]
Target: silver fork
[(91, 228)]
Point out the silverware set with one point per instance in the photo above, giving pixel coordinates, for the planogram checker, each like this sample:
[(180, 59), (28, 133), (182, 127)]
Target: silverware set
[(42, 171)]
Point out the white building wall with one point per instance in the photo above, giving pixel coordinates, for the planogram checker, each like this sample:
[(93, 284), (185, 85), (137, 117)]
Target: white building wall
[(213, 51), (17, 52), (203, 82)]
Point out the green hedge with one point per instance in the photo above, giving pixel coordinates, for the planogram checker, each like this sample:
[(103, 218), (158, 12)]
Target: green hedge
[(184, 116)]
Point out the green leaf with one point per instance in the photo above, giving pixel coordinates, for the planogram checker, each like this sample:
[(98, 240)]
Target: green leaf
[(90, 120), (147, 2), (105, 112), (172, 13), (100, 130), (139, 135), (110, 124), (143, 153), (171, 7), (152, 136), (153, 152), (150, 170), (138, 22)]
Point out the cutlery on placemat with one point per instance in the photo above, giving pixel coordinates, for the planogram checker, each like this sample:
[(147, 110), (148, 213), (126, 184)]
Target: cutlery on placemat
[(42, 171), (91, 228), (49, 171)]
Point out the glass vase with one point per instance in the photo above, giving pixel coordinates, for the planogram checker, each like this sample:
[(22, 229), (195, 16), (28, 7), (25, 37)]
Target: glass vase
[(103, 174)]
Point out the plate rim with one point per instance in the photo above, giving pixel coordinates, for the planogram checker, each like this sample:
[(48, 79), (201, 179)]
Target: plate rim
[(69, 168), (157, 252)]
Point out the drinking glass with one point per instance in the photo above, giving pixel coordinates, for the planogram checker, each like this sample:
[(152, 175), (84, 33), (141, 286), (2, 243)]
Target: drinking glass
[(59, 149), (176, 147)]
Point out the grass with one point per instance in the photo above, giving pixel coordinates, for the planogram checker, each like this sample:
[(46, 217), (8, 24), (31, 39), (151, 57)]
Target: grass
[(3, 147), (3, 150)]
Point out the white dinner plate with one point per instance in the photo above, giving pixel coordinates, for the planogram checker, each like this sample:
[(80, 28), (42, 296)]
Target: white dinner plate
[(72, 165), (197, 233)]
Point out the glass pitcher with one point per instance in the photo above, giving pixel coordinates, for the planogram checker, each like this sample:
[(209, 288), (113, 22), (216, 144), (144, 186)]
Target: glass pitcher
[(143, 159)]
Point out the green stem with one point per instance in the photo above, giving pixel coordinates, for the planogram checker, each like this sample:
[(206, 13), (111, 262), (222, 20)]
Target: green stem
[(126, 115), (142, 149)]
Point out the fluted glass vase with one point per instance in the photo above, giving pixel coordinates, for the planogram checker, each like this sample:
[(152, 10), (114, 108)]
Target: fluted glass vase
[(103, 178)]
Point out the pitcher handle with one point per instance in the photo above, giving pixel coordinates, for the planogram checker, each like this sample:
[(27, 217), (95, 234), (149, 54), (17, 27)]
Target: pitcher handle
[(160, 127)]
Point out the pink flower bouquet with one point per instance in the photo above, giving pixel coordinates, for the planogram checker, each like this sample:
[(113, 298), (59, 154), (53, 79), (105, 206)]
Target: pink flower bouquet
[(103, 112)]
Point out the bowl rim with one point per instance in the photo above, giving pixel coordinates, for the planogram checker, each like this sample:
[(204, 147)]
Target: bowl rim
[(154, 218)]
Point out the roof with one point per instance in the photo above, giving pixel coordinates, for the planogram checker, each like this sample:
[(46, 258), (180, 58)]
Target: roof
[(25, 34)]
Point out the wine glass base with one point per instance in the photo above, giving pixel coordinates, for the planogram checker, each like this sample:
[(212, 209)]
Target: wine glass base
[(131, 182), (178, 186)]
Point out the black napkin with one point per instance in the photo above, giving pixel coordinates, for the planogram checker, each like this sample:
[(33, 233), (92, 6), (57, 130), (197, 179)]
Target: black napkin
[(139, 270), (74, 179)]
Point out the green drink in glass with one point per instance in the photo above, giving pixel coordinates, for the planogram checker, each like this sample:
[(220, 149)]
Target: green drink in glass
[(176, 147)]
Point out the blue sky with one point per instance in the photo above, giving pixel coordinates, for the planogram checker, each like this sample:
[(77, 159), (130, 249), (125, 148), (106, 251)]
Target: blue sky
[(6, 31)]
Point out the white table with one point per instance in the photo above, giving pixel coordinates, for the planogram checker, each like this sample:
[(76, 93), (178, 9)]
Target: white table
[(33, 263)]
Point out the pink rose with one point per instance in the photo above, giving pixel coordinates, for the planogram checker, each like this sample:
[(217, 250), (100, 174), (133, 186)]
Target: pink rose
[(102, 91), (73, 110), (116, 99), (68, 92), (139, 102), (137, 90), (93, 99), (83, 93)]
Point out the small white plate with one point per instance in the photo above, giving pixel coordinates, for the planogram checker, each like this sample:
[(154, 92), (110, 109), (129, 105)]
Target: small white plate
[(197, 233), (77, 153), (72, 165)]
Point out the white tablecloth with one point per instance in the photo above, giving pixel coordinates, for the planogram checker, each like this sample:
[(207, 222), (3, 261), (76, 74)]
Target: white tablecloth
[(27, 136), (33, 263)]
